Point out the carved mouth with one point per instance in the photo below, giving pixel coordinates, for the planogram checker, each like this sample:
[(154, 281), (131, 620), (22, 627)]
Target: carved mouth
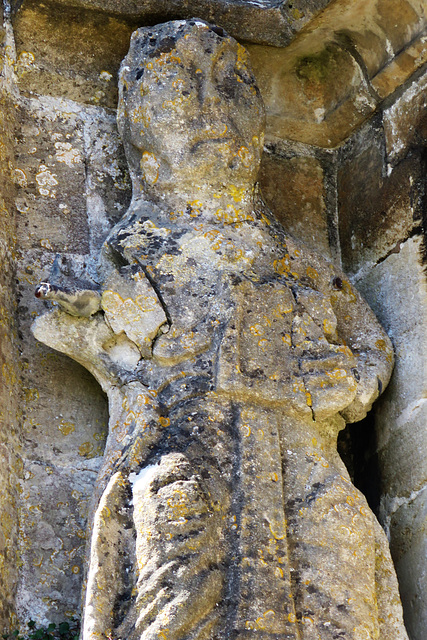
[(200, 143)]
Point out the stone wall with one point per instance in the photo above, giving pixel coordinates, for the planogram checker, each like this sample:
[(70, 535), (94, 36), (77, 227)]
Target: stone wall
[(344, 169), (10, 463)]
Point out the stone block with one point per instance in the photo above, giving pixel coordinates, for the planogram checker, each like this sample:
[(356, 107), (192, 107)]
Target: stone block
[(50, 177), (72, 177), (53, 515), (108, 189), (409, 549), (377, 210), (396, 290), (64, 416), (65, 51), (398, 72), (400, 20), (401, 119), (294, 190), (403, 455)]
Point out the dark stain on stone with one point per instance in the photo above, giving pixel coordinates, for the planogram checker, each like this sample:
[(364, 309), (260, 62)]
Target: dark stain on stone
[(337, 283)]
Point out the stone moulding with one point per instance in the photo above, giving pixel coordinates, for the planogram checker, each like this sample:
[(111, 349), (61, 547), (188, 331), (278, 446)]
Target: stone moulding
[(339, 69)]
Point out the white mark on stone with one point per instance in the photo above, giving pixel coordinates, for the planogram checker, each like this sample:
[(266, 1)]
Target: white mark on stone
[(26, 59), (390, 504), (20, 178), (46, 180), (141, 481), (389, 48), (105, 75), (65, 153), (21, 205), (319, 115), (410, 412)]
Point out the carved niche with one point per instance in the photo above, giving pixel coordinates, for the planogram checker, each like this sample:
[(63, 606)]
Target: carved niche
[(231, 357)]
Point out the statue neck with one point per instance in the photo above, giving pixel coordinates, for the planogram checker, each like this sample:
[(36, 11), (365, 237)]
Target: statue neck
[(203, 206)]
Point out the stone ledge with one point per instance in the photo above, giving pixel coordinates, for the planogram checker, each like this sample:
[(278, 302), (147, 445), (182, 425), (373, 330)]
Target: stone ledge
[(271, 22)]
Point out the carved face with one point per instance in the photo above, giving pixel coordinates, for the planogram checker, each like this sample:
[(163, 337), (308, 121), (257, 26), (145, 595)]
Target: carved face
[(189, 110)]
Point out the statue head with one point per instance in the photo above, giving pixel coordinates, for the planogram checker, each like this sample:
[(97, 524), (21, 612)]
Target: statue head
[(190, 113)]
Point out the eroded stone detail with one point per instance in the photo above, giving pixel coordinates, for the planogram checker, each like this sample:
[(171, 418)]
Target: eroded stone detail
[(231, 357)]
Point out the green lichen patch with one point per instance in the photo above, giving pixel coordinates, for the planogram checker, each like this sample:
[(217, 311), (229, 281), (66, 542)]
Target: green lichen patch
[(318, 67)]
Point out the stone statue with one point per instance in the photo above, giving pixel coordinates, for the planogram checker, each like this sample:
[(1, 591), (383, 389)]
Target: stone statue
[(231, 357)]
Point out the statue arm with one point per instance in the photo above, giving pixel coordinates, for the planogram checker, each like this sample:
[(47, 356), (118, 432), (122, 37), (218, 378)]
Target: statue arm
[(357, 328), (110, 358)]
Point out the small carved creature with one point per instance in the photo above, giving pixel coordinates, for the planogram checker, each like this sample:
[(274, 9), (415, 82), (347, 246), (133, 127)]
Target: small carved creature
[(78, 302)]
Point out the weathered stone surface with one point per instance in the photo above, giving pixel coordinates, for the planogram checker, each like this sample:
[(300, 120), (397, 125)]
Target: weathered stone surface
[(220, 476), (67, 53), (402, 118), (401, 419), (335, 73), (64, 423), (273, 22), (401, 280), (377, 29), (53, 517), (409, 545), (409, 62), (315, 91), (64, 409), (131, 306), (50, 177), (108, 188), (402, 450)]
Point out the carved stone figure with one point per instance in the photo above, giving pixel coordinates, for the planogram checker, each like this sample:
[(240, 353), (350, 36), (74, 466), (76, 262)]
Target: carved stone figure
[(231, 357)]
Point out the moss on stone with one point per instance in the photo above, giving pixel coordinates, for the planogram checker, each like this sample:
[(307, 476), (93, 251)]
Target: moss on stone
[(317, 67)]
